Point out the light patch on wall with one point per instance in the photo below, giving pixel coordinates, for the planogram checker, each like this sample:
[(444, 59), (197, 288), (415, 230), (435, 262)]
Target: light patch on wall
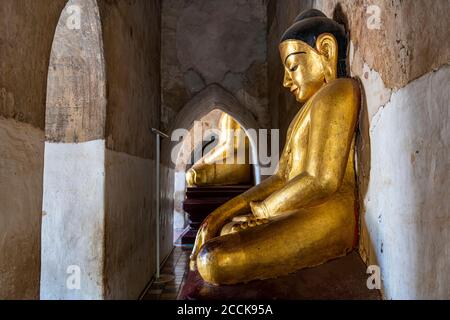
[(73, 228), (377, 95)]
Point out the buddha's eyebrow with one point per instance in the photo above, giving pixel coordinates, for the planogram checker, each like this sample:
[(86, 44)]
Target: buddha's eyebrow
[(293, 54)]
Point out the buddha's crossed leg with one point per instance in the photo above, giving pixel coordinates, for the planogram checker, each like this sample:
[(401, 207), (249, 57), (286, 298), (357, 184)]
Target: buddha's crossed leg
[(299, 239)]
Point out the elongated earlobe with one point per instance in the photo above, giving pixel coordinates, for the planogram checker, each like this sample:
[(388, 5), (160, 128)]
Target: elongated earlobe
[(327, 46)]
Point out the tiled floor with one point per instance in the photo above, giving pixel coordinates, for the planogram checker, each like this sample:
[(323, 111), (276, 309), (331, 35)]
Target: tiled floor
[(177, 265)]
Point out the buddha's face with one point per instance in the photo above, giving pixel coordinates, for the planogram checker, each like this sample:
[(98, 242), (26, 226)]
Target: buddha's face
[(307, 69)]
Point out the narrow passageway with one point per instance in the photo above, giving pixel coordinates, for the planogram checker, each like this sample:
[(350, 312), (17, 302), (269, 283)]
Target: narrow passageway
[(345, 130)]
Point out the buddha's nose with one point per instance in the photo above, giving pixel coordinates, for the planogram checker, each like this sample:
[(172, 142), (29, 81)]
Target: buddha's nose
[(287, 81)]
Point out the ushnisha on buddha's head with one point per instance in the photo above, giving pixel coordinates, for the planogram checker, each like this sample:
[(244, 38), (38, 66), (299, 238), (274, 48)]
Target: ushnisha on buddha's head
[(313, 52)]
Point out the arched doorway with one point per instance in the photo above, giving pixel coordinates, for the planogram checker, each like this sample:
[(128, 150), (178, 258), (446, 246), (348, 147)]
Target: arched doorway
[(190, 150), (204, 110)]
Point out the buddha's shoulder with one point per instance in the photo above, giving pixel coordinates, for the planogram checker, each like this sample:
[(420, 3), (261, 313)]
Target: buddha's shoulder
[(340, 87), (343, 91)]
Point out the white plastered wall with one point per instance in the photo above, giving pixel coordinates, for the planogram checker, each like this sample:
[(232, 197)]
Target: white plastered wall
[(73, 221)]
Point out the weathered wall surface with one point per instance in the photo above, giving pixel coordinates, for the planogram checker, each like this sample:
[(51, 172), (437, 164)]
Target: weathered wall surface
[(76, 83), (131, 36), (403, 136), (77, 118), (214, 42), (131, 33), (21, 163), (25, 44), (24, 57), (130, 225), (410, 39), (167, 204)]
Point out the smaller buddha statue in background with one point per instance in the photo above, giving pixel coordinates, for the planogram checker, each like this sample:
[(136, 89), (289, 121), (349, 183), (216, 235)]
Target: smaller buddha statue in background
[(223, 165)]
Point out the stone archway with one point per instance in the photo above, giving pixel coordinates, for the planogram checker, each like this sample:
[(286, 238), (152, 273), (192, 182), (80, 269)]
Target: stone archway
[(185, 159), (211, 99)]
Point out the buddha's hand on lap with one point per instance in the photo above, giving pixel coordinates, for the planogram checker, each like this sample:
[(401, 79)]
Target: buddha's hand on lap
[(214, 223)]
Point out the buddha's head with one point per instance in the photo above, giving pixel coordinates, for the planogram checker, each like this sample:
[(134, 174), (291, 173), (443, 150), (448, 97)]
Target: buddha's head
[(313, 52)]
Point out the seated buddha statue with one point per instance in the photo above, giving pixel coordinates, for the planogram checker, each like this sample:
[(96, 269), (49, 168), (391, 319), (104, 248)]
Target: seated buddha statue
[(221, 166), (305, 213)]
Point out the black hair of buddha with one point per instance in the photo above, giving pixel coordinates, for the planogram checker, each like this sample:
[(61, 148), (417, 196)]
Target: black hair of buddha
[(309, 25)]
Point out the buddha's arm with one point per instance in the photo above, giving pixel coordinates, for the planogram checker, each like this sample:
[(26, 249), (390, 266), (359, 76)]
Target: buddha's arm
[(241, 204), (225, 150), (331, 132), (218, 153)]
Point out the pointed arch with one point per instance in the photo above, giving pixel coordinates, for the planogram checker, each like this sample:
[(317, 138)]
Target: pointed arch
[(211, 98), (76, 83)]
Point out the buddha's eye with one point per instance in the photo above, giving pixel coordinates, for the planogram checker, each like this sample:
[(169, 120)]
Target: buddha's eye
[(294, 68)]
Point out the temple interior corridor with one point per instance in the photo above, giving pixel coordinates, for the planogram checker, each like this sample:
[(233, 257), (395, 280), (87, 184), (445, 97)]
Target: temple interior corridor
[(102, 188)]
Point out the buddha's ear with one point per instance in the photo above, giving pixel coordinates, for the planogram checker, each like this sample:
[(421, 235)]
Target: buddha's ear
[(327, 46)]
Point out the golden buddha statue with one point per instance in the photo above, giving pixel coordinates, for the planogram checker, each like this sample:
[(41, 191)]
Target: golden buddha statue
[(220, 166), (304, 214)]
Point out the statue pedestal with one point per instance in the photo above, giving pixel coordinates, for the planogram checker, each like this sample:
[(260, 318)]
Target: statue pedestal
[(201, 201)]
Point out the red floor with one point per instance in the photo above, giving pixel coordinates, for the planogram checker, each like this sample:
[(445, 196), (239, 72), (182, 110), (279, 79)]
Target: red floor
[(343, 278)]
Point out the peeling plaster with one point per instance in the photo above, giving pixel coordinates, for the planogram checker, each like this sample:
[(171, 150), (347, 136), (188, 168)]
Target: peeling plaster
[(377, 94)]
